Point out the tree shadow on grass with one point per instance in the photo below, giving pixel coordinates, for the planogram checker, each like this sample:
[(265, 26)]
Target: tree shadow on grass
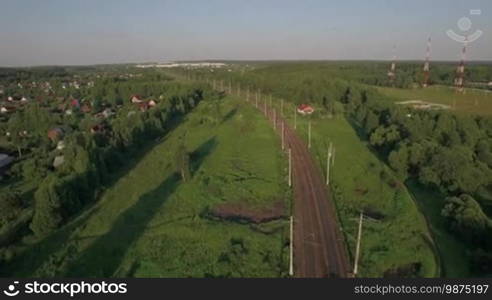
[(105, 255), (26, 264), (229, 115), (32, 259), (200, 153)]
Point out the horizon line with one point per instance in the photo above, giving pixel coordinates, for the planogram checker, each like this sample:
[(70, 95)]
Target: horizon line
[(238, 61)]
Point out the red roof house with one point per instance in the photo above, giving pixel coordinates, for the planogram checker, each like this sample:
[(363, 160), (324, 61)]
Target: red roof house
[(305, 109), (55, 134), (75, 103), (144, 106), (136, 99), (98, 128), (86, 108)]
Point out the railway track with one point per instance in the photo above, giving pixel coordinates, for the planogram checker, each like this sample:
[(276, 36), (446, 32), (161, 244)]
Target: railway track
[(319, 247)]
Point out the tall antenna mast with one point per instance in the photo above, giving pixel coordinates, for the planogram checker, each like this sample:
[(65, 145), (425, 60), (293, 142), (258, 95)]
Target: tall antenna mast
[(459, 80), (427, 64), (392, 70)]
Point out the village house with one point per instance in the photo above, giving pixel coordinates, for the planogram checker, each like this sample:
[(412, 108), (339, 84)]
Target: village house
[(55, 134), (108, 112), (152, 103), (305, 109), (7, 109), (144, 106), (75, 103), (98, 128), (86, 108), (58, 161), (60, 146), (74, 84), (136, 99)]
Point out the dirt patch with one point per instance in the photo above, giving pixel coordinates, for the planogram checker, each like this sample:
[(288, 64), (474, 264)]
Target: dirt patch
[(394, 184), (408, 270), (242, 212), (373, 213), (361, 191)]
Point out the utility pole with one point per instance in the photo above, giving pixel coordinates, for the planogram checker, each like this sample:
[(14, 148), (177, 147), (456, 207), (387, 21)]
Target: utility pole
[(283, 134), (274, 119), (357, 249), (291, 265), (309, 135), (265, 107), (295, 118), (333, 157), (392, 70), (427, 64), (328, 162), (256, 99), (290, 167)]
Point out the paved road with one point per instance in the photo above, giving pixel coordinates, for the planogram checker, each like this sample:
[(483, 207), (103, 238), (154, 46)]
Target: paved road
[(319, 247)]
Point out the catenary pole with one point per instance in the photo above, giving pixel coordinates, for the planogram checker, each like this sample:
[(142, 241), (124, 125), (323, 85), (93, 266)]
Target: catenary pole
[(357, 249)]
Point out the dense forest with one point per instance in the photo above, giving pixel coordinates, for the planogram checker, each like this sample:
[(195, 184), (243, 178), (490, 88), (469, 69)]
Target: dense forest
[(442, 151), (408, 74)]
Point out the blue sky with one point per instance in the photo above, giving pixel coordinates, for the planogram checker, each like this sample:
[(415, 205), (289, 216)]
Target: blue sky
[(47, 32)]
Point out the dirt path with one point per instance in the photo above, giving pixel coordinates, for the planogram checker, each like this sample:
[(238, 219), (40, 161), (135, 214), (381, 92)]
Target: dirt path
[(319, 248)]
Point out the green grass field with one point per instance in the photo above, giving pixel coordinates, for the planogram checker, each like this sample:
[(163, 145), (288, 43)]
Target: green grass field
[(472, 101), (150, 224), (395, 239)]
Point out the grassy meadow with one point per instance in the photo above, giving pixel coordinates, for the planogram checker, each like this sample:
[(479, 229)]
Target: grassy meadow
[(473, 101), (151, 224)]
